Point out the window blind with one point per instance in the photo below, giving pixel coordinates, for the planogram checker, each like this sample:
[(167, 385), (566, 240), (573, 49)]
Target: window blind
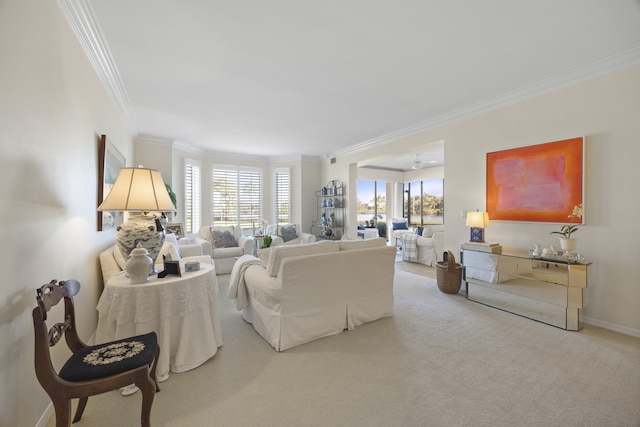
[(237, 196), (282, 198), (192, 197)]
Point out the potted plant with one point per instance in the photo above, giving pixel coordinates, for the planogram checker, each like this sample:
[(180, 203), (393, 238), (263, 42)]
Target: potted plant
[(566, 242), (266, 242)]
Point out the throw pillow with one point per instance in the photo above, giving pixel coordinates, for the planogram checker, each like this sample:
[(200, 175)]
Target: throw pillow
[(419, 230), (223, 239), (289, 233), (400, 226), (427, 232)]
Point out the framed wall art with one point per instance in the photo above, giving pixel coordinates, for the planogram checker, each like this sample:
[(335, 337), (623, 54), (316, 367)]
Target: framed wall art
[(540, 183), (110, 161)]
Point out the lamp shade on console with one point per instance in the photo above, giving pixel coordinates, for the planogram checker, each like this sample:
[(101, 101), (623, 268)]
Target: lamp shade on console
[(139, 190), (478, 221)]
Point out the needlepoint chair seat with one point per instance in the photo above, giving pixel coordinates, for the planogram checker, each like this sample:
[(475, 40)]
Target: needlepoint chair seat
[(104, 360), (91, 370)]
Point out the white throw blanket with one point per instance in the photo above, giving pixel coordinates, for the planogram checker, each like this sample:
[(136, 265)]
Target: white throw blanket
[(409, 247), (237, 286)]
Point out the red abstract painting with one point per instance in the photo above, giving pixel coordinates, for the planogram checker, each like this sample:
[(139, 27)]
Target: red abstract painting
[(539, 183)]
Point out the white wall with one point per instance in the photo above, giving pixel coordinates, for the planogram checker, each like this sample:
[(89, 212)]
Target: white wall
[(606, 111), (52, 110)]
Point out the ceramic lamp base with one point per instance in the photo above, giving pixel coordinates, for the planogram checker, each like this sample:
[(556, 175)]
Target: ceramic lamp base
[(144, 229), (477, 234)]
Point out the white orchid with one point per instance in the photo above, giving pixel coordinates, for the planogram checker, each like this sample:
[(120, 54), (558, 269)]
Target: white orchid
[(568, 230)]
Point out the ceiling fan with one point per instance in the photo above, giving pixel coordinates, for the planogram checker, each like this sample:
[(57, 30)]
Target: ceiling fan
[(417, 163)]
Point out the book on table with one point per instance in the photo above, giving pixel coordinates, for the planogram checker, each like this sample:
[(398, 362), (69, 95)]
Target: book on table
[(494, 248)]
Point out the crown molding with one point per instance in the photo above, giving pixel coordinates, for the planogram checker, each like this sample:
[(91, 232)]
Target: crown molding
[(625, 59), (82, 20)]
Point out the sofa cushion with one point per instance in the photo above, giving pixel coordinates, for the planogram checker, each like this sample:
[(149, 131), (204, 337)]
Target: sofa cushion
[(121, 260), (108, 263), (346, 245), (278, 253), (289, 233), (295, 241), (234, 251), (223, 239)]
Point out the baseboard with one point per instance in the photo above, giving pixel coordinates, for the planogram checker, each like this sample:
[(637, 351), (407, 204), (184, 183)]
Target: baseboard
[(46, 416), (611, 326)]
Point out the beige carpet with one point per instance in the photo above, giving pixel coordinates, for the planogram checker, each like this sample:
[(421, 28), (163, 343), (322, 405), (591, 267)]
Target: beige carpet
[(439, 361)]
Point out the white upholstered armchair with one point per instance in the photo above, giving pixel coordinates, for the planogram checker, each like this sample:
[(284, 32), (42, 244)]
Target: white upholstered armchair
[(428, 247), (226, 244), (291, 234), (399, 228)]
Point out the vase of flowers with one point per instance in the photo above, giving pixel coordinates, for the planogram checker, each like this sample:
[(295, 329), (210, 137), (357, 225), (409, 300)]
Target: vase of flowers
[(568, 243)]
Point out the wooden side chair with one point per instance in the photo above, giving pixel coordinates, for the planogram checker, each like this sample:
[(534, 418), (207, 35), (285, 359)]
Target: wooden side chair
[(90, 370)]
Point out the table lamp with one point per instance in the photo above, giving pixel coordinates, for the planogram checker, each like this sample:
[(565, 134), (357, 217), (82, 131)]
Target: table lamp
[(478, 221), (139, 190)]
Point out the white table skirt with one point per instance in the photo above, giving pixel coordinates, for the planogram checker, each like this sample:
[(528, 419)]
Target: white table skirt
[(183, 311)]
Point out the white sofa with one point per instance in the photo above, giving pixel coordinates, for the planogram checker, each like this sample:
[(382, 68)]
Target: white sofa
[(224, 257), (299, 293), (429, 245), (278, 239)]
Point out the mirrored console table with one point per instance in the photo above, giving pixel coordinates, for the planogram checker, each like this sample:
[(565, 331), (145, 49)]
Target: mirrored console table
[(549, 290)]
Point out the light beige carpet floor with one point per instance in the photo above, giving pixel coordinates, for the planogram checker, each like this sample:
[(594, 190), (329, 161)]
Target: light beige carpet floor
[(439, 361)]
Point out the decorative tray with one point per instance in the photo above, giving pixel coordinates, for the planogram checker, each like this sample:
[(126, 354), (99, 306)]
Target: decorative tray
[(569, 258)]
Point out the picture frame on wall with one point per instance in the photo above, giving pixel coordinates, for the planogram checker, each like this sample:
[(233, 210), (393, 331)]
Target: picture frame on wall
[(536, 183), (175, 228), (110, 161)]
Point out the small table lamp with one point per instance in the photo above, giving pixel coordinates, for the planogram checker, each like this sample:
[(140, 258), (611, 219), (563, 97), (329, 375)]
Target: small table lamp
[(139, 190), (478, 221)]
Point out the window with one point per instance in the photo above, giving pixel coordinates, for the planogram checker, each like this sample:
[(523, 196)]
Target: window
[(282, 198), (372, 202), (192, 196), (424, 202), (237, 196)]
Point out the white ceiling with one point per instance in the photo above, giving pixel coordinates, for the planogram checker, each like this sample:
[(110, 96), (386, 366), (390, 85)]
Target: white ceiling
[(293, 77)]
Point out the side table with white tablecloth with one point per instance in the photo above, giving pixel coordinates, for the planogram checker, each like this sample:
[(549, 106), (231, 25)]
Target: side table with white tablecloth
[(183, 311)]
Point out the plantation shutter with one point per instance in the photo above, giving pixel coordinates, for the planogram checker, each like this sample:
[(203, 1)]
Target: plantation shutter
[(225, 195), (250, 197), (237, 196), (192, 197), (282, 197)]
